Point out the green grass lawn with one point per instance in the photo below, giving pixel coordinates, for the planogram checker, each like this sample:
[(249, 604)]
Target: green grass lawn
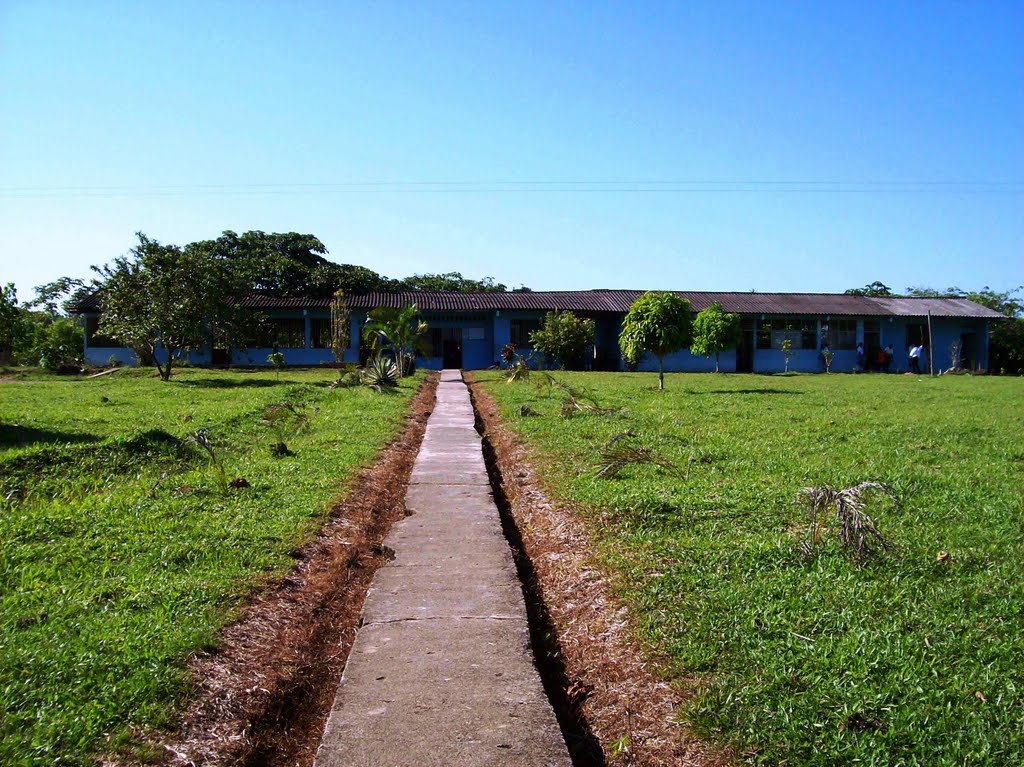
[(813, 660), (120, 555)]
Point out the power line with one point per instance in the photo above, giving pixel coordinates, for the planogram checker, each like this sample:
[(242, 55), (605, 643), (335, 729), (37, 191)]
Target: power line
[(649, 186)]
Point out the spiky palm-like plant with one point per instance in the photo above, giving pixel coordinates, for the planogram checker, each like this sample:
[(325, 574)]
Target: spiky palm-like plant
[(399, 332), (380, 373), (625, 449), (845, 507)]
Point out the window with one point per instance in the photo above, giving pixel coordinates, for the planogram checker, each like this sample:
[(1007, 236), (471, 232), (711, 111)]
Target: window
[(802, 334), (283, 333), (438, 336), (320, 334), (842, 334), (520, 332), (917, 334)]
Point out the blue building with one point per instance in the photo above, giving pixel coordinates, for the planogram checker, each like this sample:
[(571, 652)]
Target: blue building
[(468, 330)]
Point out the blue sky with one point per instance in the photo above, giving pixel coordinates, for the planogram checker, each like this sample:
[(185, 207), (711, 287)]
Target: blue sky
[(693, 146)]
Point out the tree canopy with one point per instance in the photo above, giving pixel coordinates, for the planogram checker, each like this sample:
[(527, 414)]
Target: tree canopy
[(452, 281), (714, 331), (659, 323), (288, 265), (875, 288), (162, 295)]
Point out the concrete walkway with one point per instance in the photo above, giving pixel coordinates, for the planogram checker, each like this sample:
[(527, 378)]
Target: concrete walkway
[(441, 671)]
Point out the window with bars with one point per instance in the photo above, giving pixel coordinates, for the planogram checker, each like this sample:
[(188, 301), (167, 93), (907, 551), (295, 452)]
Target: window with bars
[(282, 333), (320, 334), (520, 332), (842, 334), (801, 333)]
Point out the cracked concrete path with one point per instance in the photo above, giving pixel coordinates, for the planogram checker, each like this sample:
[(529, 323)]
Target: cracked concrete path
[(441, 671)]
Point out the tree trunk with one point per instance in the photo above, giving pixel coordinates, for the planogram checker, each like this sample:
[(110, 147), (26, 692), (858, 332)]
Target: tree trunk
[(661, 376), (165, 372), (716, 362), (159, 367)]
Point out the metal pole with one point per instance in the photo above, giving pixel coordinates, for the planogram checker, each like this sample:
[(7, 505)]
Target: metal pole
[(931, 346)]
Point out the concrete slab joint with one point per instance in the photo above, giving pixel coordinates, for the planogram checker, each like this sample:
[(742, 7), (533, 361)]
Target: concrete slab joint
[(441, 671)]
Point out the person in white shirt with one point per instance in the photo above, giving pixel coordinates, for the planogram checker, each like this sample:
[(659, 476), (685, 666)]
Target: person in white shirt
[(915, 359)]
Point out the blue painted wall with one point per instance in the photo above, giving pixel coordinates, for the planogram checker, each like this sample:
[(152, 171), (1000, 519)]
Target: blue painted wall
[(484, 335)]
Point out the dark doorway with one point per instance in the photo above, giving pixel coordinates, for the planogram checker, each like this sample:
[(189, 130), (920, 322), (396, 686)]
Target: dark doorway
[(968, 353), (220, 357), (452, 354), (745, 351), (872, 344)]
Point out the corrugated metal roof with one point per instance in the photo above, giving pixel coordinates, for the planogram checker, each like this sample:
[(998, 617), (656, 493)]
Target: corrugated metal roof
[(619, 301), (817, 304)]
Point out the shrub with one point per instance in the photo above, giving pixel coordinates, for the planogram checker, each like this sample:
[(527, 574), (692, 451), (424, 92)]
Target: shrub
[(564, 337), (59, 346)]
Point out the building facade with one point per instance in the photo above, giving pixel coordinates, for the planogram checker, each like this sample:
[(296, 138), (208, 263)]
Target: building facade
[(469, 330)]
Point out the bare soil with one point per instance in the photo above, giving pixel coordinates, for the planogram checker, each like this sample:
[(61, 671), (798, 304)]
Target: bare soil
[(263, 697), (609, 680)]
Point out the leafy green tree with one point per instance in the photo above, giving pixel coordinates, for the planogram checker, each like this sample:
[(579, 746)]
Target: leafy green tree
[(875, 288), (659, 323), (565, 338), (714, 331), (11, 321), (289, 265), (399, 331), (166, 296), (59, 296), (1006, 346), (451, 281)]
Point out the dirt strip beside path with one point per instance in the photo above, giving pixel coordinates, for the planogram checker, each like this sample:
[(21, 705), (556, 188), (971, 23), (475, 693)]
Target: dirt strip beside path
[(263, 696), (609, 680)]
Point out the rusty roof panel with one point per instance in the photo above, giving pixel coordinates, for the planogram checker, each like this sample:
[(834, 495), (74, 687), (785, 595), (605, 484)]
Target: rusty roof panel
[(619, 301)]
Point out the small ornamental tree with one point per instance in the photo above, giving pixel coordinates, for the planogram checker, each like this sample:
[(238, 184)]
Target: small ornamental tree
[(659, 323), (564, 337), (715, 331), (341, 325), (276, 359), (787, 351)]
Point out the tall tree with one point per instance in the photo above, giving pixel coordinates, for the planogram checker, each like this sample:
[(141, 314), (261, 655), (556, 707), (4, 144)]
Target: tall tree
[(11, 325), (165, 296), (289, 265), (714, 331), (659, 323)]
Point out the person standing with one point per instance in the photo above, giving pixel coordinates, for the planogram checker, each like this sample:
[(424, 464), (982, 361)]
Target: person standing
[(915, 359), (860, 357), (887, 361)]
